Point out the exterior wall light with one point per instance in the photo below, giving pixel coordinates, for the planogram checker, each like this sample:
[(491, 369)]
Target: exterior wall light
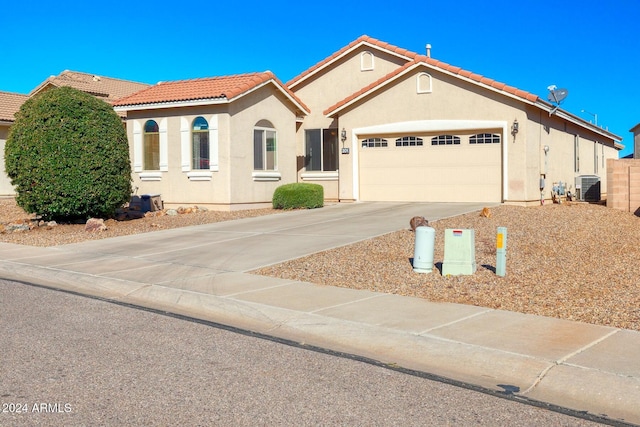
[(515, 127), (343, 137)]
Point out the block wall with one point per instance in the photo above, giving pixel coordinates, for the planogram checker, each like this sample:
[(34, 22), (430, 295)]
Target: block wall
[(623, 184)]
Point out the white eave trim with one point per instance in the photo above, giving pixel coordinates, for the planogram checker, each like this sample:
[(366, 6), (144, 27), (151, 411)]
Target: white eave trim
[(208, 101), (542, 105), (172, 104)]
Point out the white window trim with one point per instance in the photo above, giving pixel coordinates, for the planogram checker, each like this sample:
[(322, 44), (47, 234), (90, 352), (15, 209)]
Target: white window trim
[(200, 175), (137, 146), (320, 176), (185, 144), (266, 176), (419, 87), (214, 162), (364, 59), (150, 176), (164, 146)]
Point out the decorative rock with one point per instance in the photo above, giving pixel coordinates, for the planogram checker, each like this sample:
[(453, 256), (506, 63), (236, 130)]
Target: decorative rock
[(16, 228), (95, 224), (172, 212), (418, 221)]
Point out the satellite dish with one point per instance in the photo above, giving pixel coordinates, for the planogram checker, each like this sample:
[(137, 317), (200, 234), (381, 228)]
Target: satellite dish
[(556, 96)]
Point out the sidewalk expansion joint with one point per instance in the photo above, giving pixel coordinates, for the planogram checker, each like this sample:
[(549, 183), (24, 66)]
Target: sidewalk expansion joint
[(563, 360), (462, 319), (346, 303)]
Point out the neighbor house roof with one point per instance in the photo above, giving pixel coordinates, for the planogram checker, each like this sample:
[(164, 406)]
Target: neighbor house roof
[(205, 90), (10, 103), (106, 88)]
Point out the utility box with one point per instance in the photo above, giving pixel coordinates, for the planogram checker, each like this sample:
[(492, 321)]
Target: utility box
[(459, 252), (150, 203)]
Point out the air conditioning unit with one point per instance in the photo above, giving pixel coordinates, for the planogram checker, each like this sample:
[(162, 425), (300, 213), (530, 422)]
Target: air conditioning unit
[(588, 188)]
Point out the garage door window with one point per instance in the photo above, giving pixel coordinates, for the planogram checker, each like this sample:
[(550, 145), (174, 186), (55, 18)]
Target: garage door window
[(445, 140), (409, 141), (321, 149), (484, 138), (375, 142)]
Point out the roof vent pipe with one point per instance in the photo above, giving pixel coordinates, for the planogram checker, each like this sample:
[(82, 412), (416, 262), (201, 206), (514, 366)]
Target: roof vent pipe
[(428, 50)]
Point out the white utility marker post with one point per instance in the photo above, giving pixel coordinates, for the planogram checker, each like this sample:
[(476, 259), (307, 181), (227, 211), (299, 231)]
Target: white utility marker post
[(501, 251)]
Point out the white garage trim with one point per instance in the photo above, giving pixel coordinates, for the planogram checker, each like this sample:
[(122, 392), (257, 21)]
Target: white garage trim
[(429, 126)]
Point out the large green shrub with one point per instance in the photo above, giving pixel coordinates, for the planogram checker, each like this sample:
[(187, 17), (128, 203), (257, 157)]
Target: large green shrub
[(67, 156), (298, 195)]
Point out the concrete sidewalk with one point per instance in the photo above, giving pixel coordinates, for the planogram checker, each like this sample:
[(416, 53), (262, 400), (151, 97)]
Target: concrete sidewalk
[(202, 272)]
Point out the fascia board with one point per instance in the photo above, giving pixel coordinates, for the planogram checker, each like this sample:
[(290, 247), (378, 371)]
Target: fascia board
[(173, 104)]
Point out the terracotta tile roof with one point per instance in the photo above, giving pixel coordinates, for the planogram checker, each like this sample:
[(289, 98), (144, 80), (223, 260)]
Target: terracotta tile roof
[(421, 59), (224, 87), (364, 39), (10, 103), (106, 88)]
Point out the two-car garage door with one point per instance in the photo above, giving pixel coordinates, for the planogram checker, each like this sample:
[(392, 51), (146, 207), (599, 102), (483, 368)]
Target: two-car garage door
[(448, 167)]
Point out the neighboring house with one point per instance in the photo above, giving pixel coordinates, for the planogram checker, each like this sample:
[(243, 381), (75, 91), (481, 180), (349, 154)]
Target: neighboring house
[(223, 142), (411, 128), (105, 88), (9, 105)]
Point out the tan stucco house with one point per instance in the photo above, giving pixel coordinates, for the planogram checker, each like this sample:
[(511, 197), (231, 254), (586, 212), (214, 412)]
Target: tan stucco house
[(371, 122), (224, 142), (411, 128)]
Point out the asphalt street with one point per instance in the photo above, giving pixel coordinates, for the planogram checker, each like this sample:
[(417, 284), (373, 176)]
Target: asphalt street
[(76, 361)]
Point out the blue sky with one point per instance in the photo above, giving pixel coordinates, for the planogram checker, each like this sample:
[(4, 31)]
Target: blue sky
[(591, 48)]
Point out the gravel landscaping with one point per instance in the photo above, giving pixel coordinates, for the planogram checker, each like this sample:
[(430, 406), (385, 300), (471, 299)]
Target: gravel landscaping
[(572, 261)]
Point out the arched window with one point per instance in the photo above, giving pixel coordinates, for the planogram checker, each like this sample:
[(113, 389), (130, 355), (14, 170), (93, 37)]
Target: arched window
[(424, 83), (151, 148), (200, 144), (445, 140), (264, 147), (366, 61)]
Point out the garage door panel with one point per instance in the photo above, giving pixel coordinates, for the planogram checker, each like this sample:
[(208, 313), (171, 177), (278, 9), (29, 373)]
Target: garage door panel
[(431, 173)]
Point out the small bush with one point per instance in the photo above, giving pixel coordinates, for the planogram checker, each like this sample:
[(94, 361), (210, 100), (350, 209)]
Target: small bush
[(68, 157), (298, 195)]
